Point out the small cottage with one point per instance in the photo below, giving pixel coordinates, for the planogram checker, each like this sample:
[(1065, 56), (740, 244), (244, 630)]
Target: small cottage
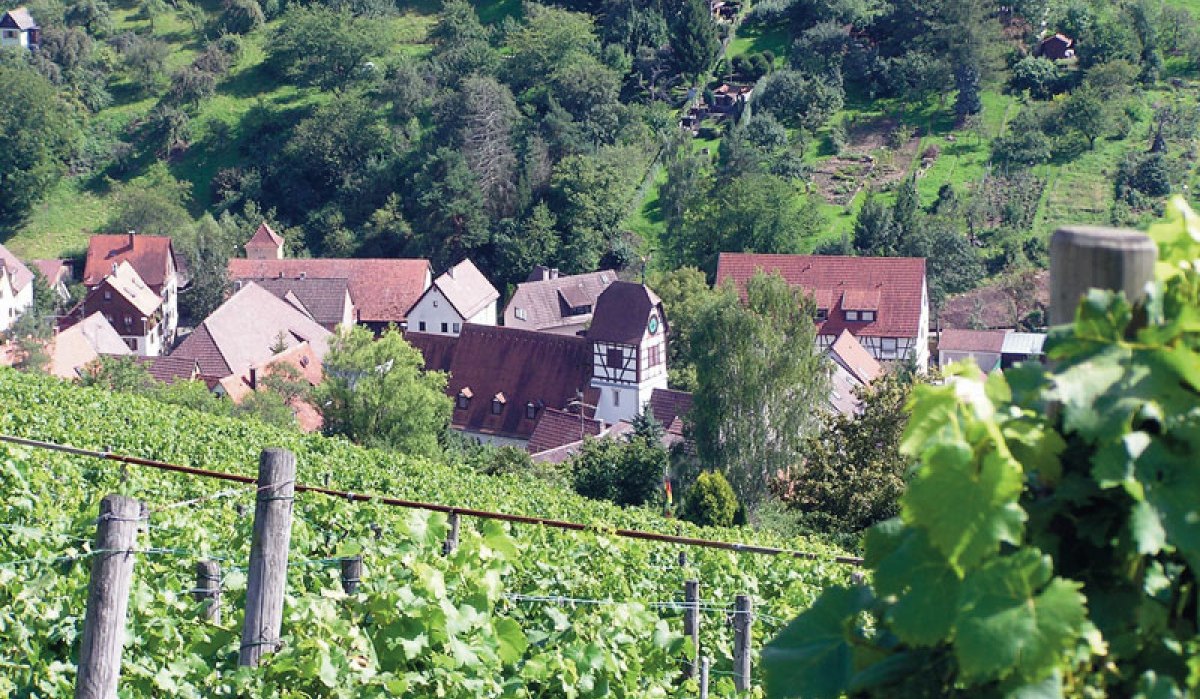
[(17, 29)]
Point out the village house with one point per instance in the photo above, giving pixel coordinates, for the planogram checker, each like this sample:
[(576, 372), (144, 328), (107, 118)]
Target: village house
[(74, 349), (882, 301), (169, 369), (460, 295), (245, 332), (16, 288), (130, 306), (382, 290), (327, 301), (503, 379), (58, 275), (853, 369), (990, 349), (157, 264), (18, 30), (727, 98), (553, 303), (305, 367)]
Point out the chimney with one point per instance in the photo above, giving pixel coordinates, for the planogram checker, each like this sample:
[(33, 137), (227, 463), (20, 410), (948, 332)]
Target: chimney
[(114, 268), (253, 379), (304, 275), (554, 273), (450, 272), (131, 232)]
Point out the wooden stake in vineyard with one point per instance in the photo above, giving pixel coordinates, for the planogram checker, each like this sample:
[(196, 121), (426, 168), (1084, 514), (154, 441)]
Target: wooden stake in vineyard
[(267, 578), (742, 621), (108, 598)]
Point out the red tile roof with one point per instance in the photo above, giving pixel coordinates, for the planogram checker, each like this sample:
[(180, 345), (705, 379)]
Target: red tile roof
[(170, 369), (621, 313), (899, 281), (855, 358), (149, 255), (972, 341), (525, 367), (53, 270), (264, 237), (669, 407), (383, 290), (557, 428)]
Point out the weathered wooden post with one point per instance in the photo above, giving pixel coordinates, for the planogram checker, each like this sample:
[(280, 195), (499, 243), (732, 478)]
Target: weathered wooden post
[(451, 543), (856, 578), (742, 621), (351, 574), (683, 559), (704, 663), (267, 577), (1084, 257), (208, 590), (691, 622), (108, 598)]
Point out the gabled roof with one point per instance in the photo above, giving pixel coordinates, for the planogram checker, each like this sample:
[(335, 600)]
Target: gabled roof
[(842, 388), (556, 428), (972, 341), (125, 281), (669, 407), (20, 274), (241, 333), (465, 287), (542, 303), (304, 360), (621, 313), (81, 343), (898, 281), (383, 290), (854, 358), (525, 367), (150, 256), (54, 271), (322, 299), (170, 369), (264, 237), (19, 18)]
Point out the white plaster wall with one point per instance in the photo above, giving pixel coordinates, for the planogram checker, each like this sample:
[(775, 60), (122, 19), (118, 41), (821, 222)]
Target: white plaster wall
[(486, 315), (433, 309)]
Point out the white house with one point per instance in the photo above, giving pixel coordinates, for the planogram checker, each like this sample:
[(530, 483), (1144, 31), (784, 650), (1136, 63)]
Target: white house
[(460, 295), (17, 29), (629, 350), (16, 288), (882, 301)]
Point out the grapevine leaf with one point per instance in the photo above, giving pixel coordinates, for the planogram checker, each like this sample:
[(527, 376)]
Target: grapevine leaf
[(1080, 385), (1049, 688), (1037, 447), (967, 510), (1013, 619), (892, 669), (933, 408), (1155, 686), (811, 657), (511, 640), (1146, 528), (1172, 480), (923, 580)]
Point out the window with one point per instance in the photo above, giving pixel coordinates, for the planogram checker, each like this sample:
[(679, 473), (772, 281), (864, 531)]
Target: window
[(421, 326), (497, 404), (435, 303), (868, 315), (520, 314), (456, 328), (615, 358), (889, 343), (851, 315), (128, 321), (822, 315), (107, 295), (654, 356), (10, 34), (616, 398), (445, 328), (531, 410), (132, 342), (461, 401)]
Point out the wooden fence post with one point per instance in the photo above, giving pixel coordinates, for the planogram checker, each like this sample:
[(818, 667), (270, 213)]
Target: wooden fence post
[(683, 559), (351, 574), (451, 543), (742, 622), (108, 598), (691, 622), (704, 663), (1084, 257), (208, 590), (267, 577)]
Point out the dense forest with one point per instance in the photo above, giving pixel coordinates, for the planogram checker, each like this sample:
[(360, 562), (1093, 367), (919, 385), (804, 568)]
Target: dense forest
[(522, 134)]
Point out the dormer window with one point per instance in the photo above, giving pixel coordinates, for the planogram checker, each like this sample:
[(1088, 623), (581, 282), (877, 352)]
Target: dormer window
[(822, 315), (868, 316), (498, 402), (852, 315), (463, 399), (531, 410)]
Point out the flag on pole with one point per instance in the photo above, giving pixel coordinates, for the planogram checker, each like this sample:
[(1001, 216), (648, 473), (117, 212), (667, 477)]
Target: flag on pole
[(667, 488)]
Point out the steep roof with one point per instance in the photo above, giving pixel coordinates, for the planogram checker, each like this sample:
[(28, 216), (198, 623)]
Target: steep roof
[(544, 303), (556, 428), (21, 276), (264, 237), (323, 299), (303, 358), (854, 358), (521, 366), (241, 333), (81, 343), (383, 290), (621, 313), (465, 287), (842, 387), (972, 341), (125, 281), (21, 19), (898, 281), (54, 271), (669, 407), (170, 369), (150, 256)]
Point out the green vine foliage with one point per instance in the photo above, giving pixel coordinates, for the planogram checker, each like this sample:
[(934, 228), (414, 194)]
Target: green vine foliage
[(1049, 541)]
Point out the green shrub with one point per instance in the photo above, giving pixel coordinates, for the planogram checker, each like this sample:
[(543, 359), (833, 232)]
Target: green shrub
[(710, 501)]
